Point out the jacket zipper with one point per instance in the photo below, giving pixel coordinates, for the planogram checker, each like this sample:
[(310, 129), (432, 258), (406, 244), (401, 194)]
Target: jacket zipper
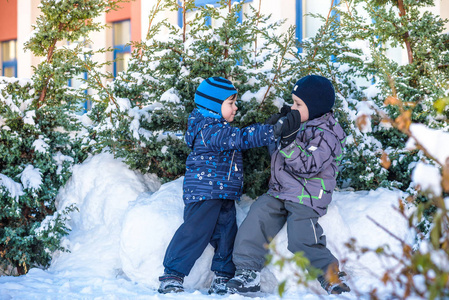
[(202, 137), (230, 167)]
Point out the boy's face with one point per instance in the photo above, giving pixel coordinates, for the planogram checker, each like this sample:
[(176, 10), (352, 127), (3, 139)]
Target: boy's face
[(229, 108), (298, 104)]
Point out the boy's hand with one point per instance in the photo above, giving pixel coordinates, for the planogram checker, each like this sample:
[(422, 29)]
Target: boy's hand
[(287, 127), (275, 117), (285, 110)]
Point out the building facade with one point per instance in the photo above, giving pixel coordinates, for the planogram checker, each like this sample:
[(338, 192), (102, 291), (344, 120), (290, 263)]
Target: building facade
[(131, 22)]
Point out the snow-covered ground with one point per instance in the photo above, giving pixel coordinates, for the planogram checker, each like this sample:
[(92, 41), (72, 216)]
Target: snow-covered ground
[(126, 220)]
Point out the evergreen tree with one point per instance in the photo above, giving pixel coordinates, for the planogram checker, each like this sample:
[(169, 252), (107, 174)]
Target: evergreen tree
[(41, 134), (157, 91), (155, 95), (141, 116), (378, 96)]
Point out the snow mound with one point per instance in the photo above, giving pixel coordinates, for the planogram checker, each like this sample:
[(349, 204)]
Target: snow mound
[(148, 226), (101, 188), (125, 221)]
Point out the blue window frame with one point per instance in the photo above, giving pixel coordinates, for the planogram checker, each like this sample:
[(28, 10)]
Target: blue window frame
[(299, 22), (122, 49), (9, 58), (300, 19), (336, 3), (203, 3), (76, 83)]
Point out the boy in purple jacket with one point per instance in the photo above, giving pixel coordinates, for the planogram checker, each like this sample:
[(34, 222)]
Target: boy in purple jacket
[(303, 176)]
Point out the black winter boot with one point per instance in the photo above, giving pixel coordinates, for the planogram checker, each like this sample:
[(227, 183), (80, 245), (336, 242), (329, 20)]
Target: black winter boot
[(170, 284), (218, 285), (335, 285), (244, 281)]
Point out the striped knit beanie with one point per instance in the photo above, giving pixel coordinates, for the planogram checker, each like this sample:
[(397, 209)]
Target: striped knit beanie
[(211, 94)]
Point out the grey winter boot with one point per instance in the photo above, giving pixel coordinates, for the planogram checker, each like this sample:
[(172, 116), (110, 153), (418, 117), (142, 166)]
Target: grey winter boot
[(244, 281), (335, 285), (218, 285), (170, 284)]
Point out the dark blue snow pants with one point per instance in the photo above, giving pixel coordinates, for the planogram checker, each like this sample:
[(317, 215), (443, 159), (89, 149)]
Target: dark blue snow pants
[(209, 221)]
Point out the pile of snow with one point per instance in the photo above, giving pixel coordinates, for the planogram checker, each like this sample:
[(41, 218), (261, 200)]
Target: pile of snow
[(126, 220), (436, 143)]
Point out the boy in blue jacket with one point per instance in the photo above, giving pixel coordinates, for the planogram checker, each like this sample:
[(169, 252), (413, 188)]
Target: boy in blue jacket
[(213, 181)]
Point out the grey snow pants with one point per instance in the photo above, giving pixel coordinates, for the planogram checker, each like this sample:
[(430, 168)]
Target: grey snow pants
[(265, 219)]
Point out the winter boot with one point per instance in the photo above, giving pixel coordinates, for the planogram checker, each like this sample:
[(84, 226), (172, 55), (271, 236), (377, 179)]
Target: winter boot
[(218, 285), (336, 285), (170, 284), (244, 281)]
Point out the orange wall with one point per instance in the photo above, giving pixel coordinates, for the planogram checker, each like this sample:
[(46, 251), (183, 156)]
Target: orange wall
[(135, 21), (124, 13), (8, 20), (128, 11)]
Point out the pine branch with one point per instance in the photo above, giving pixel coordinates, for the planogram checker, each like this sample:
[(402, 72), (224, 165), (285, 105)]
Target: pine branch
[(152, 16), (402, 13)]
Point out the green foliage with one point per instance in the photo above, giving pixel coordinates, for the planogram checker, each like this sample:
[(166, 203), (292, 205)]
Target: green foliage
[(419, 271), (357, 40), (303, 272), (141, 116), (378, 99), (153, 98), (145, 120), (41, 133)]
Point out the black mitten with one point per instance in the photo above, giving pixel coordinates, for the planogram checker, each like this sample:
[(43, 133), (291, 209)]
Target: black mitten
[(275, 117), (287, 127), (272, 119), (285, 110)]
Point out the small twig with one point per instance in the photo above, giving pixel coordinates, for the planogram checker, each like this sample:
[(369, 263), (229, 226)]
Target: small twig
[(152, 17), (386, 230), (255, 39), (324, 26), (184, 22), (402, 13)]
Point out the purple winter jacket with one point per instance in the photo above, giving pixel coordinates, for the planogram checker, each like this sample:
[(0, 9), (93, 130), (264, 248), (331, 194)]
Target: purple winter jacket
[(306, 170)]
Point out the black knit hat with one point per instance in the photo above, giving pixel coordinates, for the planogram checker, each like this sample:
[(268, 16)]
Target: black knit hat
[(318, 94)]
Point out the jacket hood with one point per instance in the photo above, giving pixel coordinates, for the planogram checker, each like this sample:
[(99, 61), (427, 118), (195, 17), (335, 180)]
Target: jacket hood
[(197, 122)]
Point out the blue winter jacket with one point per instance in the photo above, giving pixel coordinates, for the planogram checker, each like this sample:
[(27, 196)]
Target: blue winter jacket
[(214, 168)]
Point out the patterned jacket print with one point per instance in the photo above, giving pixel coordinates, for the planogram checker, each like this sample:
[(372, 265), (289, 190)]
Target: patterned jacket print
[(214, 168), (306, 170)]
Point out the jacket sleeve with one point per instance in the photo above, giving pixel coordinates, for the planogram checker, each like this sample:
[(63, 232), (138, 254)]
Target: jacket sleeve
[(307, 159), (222, 138)]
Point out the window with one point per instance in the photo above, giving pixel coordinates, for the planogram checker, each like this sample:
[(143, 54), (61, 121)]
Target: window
[(209, 22), (9, 58), (122, 50), (79, 80), (306, 25)]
